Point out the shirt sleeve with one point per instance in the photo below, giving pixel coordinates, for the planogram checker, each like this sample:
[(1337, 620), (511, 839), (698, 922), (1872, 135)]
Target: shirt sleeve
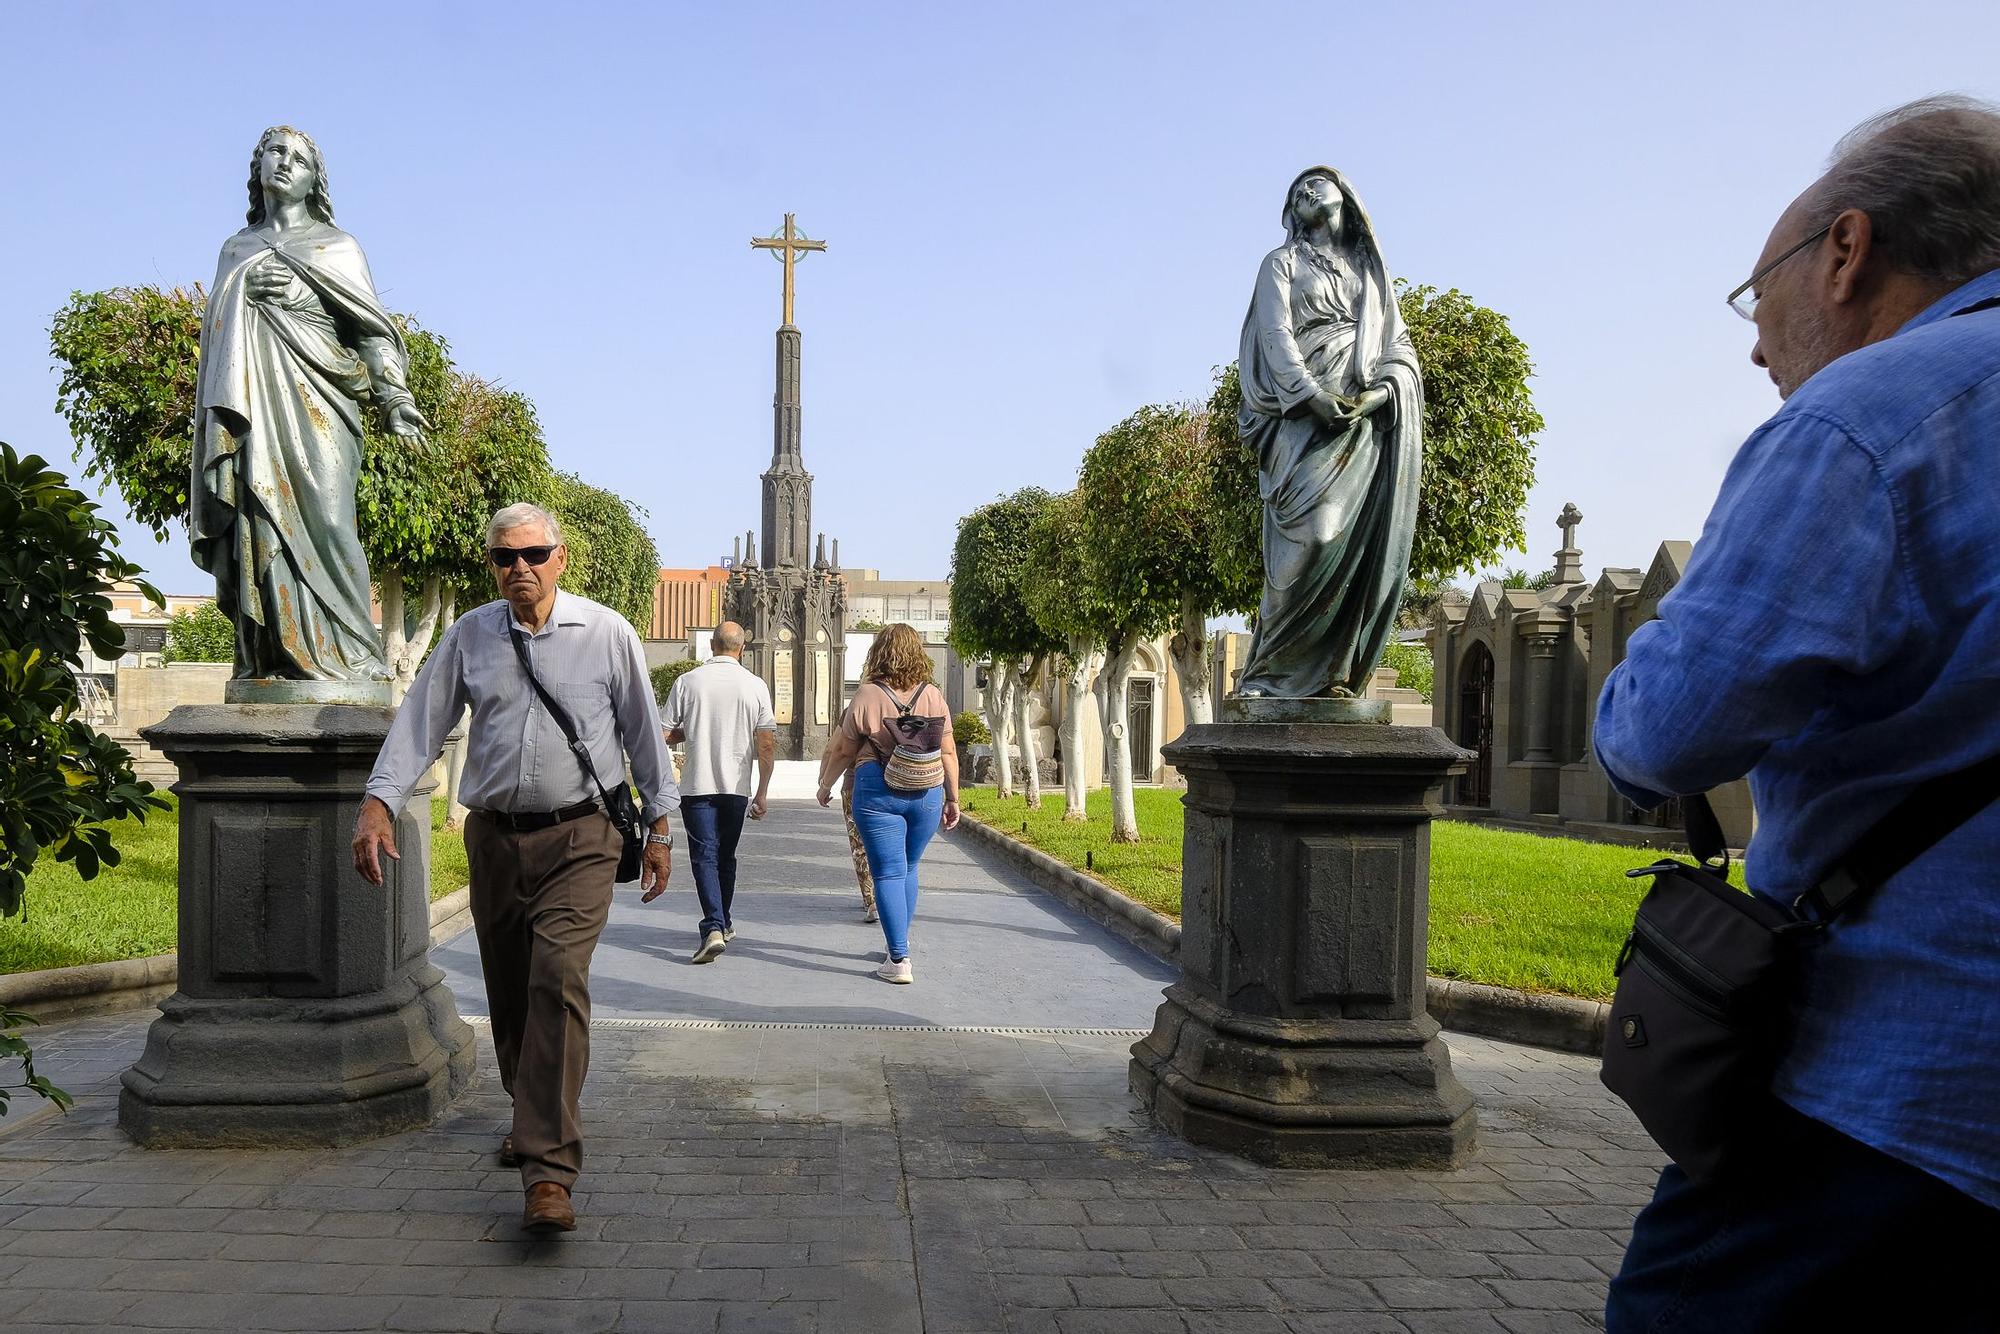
[(639, 729), (675, 713), (1799, 582), (424, 719), (767, 720)]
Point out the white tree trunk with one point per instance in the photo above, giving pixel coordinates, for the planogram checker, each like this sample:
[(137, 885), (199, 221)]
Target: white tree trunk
[(1000, 721), (1189, 648), (1079, 667), (454, 754), (395, 629), (404, 646), (1028, 683), (1117, 750)]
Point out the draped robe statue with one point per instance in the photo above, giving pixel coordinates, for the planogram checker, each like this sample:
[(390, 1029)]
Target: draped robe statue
[(1333, 409), (295, 349)]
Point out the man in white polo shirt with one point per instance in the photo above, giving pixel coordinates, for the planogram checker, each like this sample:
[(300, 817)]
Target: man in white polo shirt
[(721, 711)]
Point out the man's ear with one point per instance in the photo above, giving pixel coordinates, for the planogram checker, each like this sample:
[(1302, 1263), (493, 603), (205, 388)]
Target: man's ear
[(1850, 244)]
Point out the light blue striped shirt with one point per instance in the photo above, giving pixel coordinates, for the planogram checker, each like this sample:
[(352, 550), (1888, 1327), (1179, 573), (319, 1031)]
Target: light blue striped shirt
[(516, 759)]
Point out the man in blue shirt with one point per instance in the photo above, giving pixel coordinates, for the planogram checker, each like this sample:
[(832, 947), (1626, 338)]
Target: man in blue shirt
[(1837, 638)]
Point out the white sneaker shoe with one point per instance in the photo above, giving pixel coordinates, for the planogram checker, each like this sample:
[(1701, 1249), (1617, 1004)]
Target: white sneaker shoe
[(729, 933), (711, 946), (872, 916), (894, 970)]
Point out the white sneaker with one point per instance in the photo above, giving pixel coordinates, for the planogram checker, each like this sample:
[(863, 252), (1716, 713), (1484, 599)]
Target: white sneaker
[(897, 971), (729, 933), (711, 945), (872, 916)]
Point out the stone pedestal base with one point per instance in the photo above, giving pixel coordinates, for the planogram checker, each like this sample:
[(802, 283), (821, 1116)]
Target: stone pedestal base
[(308, 1011), (1297, 1034)]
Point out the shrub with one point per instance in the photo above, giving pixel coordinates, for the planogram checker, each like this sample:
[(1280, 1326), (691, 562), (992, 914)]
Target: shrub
[(666, 674), (1414, 670), (201, 635), (969, 729)]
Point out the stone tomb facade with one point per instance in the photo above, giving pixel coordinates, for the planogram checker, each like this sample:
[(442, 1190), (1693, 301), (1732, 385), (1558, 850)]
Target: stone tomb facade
[(1518, 675)]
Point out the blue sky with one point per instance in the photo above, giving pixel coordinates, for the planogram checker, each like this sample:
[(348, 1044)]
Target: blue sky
[(1040, 216)]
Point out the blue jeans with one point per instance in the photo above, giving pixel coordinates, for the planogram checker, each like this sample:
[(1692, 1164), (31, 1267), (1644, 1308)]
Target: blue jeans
[(1823, 1234), (895, 828), (714, 823)]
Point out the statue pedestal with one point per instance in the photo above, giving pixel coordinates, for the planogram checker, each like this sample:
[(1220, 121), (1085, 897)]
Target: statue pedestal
[(308, 1011), (1297, 1034)]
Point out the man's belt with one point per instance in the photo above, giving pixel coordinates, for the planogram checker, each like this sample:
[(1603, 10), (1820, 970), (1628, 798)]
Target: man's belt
[(522, 822)]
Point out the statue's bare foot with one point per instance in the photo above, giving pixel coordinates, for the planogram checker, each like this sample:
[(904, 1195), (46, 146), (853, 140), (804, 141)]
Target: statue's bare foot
[(1250, 692), (1341, 692)]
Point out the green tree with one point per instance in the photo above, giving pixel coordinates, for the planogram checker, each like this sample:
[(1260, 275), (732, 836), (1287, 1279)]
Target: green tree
[(201, 635), (969, 729), (612, 558), (1480, 424), (990, 619), (1413, 667), (1063, 594), (666, 674), (60, 781)]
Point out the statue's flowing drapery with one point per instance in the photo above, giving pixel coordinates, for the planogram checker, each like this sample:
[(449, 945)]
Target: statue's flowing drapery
[(1340, 504), (277, 454)]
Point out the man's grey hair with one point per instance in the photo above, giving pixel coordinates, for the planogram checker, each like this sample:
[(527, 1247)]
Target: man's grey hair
[(520, 516), (1928, 176)]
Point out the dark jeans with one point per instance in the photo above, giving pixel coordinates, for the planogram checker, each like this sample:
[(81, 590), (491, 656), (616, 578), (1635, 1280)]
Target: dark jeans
[(714, 823), (1825, 1234)]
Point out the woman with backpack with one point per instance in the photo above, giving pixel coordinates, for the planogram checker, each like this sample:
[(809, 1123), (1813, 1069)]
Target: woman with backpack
[(896, 739)]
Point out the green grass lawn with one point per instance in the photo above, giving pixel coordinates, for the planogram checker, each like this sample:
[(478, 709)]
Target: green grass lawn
[(129, 911), (1512, 910)]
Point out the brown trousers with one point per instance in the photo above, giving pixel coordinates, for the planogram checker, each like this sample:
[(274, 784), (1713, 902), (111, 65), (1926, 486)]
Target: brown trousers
[(539, 902)]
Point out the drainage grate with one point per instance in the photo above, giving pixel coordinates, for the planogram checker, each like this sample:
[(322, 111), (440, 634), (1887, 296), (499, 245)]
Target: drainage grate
[(737, 1026)]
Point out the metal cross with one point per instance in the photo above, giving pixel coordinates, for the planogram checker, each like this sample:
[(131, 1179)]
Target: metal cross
[(788, 245), (1567, 521)]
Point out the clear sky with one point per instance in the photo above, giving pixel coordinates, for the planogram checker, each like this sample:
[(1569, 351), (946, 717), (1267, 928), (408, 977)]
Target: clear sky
[(1040, 216)]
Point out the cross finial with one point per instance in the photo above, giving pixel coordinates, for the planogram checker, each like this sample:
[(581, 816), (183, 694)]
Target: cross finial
[(1567, 521), (788, 245)]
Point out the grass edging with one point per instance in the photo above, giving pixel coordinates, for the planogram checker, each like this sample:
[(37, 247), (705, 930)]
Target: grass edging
[(1562, 1023), (51, 994)]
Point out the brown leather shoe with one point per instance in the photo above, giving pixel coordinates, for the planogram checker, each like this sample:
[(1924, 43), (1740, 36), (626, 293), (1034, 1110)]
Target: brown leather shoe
[(549, 1209), (508, 1158)]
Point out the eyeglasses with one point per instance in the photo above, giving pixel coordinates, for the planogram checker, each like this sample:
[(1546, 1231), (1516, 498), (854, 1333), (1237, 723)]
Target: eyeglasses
[(1744, 300), (504, 557)]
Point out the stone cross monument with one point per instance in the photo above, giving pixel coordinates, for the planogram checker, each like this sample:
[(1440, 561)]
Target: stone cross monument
[(792, 602), (1569, 561)]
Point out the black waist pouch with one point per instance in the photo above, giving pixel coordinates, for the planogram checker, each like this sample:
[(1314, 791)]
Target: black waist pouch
[(1706, 979)]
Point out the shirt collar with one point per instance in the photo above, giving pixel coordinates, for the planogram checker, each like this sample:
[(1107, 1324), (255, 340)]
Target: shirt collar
[(1986, 287), (566, 611)]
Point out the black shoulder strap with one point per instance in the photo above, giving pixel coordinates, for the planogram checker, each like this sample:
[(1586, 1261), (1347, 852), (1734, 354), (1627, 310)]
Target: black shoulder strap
[(1913, 826), (557, 712), (901, 708)]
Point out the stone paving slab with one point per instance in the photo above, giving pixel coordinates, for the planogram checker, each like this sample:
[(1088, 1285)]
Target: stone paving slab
[(895, 1171)]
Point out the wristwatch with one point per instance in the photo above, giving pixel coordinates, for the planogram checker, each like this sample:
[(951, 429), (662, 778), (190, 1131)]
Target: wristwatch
[(665, 840)]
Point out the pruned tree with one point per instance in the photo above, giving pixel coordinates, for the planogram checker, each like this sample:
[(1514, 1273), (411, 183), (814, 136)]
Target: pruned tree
[(202, 634), (1062, 595), (612, 558), (990, 619)]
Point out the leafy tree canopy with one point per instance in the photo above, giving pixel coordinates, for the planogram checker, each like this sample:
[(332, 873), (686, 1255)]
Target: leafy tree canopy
[(612, 558), (989, 560), (60, 781), (201, 635), (1137, 489), (1061, 587)]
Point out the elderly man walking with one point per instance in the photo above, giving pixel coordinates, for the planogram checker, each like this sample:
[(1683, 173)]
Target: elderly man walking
[(544, 851), (1837, 638), (722, 712)]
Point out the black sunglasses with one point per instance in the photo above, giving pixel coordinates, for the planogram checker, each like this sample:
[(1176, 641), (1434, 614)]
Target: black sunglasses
[(504, 557)]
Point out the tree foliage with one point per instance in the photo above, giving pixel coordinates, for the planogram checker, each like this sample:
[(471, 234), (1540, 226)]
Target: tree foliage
[(60, 781), (666, 674), (201, 635), (129, 357), (612, 558), (1413, 667), (1479, 447), (989, 570), (1060, 585)]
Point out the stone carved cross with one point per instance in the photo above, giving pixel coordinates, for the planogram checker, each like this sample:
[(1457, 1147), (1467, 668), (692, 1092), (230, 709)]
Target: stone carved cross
[(788, 245), (1570, 517)]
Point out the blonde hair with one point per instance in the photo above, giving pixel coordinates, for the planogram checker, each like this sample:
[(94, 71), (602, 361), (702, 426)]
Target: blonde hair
[(897, 656)]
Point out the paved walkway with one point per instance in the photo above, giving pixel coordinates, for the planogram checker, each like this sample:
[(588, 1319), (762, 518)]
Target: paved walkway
[(777, 1142)]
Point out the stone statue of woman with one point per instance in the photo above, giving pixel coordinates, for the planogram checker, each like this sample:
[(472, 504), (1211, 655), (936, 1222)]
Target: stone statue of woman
[(1333, 407), (295, 348)]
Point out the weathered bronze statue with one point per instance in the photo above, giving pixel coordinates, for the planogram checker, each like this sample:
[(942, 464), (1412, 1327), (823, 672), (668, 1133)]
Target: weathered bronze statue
[(295, 349), (1333, 407)]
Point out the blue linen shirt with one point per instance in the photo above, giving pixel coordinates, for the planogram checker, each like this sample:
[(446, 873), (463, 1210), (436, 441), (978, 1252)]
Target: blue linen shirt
[(1837, 637)]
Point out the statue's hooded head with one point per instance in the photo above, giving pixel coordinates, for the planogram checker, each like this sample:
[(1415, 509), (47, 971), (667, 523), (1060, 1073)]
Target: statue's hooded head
[(319, 203), (1355, 229)]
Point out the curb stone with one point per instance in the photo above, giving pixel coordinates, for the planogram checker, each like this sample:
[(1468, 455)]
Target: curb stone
[(1563, 1023), (51, 994)]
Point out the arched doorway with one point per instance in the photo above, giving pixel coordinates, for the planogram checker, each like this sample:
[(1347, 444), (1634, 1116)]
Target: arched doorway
[(1475, 725)]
